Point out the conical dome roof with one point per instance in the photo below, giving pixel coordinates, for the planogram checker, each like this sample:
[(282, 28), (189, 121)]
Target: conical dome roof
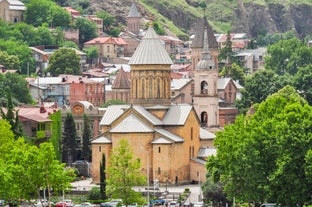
[(150, 51), (206, 63)]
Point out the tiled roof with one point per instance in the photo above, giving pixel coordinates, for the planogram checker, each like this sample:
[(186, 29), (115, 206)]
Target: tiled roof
[(198, 42), (204, 134), (134, 11), (177, 114), (169, 135), (107, 40), (121, 81), (131, 124), (150, 51)]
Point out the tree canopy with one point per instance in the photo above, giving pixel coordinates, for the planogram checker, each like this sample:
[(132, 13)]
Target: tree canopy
[(87, 29), (64, 61), (124, 172), (69, 142), (27, 169), (265, 156)]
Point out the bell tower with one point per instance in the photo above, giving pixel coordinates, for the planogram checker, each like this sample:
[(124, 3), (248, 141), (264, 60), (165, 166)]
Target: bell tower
[(205, 99)]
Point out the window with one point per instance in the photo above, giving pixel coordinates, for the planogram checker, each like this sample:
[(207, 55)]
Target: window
[(159, 170), (159, 150), (203, 87), (192, 133), (100, 148)]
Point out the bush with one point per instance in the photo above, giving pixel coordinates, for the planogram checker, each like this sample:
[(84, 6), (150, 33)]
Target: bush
[(95, 194)]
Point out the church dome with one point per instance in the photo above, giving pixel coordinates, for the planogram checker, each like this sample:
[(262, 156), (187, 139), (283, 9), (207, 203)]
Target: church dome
[(205, 64)]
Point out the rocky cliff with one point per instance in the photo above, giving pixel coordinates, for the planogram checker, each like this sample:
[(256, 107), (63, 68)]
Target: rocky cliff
[(237, 16)]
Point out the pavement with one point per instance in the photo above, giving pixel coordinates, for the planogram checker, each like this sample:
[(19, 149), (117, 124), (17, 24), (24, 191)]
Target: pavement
[(86, 185)]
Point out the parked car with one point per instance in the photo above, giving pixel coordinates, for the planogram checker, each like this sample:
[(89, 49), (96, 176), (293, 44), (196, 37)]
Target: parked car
[(107, 204), (112, 203), (85, 204), (269, 205), (2, 202), (174, 204), (67, 203), (43, 203)]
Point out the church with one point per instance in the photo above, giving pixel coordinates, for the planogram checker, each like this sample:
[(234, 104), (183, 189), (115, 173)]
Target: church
[(167, 138)]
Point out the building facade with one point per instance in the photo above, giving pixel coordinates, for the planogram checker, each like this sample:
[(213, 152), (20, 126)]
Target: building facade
[(12, 11)]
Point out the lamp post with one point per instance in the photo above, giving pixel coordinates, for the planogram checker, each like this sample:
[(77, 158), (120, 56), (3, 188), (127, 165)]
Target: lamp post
[(148, 173)]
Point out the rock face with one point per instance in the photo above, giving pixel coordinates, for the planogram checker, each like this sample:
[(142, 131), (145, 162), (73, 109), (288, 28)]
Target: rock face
[(249, 18)]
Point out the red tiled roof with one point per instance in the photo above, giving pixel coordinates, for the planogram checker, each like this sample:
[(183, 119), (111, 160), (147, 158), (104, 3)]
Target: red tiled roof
[(174, 75), (102, 40)]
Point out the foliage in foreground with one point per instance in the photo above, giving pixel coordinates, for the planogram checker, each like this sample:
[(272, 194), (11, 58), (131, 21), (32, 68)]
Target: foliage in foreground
[(124, 172), (27, 169), (267, 157)]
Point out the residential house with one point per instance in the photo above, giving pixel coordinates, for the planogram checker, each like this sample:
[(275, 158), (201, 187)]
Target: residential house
[(37, 121), (12, 11), (253, 60), (239, 40), (172, 44), (98, 22), (109, 48)]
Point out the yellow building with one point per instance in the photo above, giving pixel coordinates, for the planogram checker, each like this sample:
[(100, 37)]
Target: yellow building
[(166, 137), (12, 11)]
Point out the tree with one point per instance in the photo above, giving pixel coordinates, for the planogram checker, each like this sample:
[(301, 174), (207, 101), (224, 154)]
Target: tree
[(60, 17), (258, 87), (235, 72), (87, 29), (108, 20), (37, 12), (213, 191), (86, 139), (9, 61), (302, 82), (103, 178), (265, 156), (12, 117), (92, 53), (18, 87), (286, 56), (124, 173), (69, 144), (69, 44), (64, 61)]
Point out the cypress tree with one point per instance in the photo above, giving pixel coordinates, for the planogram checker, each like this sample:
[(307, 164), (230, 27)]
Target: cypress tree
[(103, 178), (69, 145), (86, 139)]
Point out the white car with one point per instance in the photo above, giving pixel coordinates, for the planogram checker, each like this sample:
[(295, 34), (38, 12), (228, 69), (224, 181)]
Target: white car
[(43, 203), (85, 204)]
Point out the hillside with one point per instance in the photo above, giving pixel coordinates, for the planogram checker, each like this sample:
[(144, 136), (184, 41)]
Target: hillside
[(251, 17)]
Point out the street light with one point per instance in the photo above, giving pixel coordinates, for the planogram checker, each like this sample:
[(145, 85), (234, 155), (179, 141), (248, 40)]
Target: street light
[(148, 172)]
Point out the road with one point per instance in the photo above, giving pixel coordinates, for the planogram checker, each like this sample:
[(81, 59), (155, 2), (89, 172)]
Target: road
[(194, 197)]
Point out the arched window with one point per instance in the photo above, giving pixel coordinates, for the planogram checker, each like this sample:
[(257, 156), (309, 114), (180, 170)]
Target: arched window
[(203, 87), (204, 118)]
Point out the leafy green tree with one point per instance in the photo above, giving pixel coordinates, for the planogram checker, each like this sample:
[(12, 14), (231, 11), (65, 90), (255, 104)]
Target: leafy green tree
[(286, 56), (69, 143), (37, 12), (103, 178), (11, 62), (265, 156), (87, 29), (18, 87), (69, 44), (124, 173), (64, 61), (60, 17), (86, 139), (258, 87), (302, 82), (235, 72), (213, 191), (21, 50), (108, 20), (11, 116), (92, 53)]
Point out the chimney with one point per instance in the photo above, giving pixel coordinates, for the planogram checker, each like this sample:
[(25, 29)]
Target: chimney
[(42, 109)]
